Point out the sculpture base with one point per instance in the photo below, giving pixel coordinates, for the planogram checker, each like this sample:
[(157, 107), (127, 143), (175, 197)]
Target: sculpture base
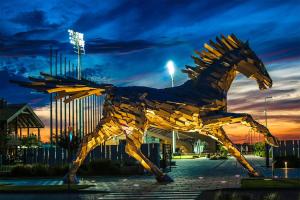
[(72, 179), (256, 174), (164, 179)]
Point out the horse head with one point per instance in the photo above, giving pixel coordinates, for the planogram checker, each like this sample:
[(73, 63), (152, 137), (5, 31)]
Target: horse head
[(233, 55), (252, 67)]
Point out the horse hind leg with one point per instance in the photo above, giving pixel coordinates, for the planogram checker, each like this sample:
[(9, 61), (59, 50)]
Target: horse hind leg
[(246, 119), (133, 145), (223, 139), (89, 142)]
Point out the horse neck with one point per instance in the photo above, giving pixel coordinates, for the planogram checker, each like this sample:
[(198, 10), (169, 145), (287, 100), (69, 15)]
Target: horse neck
[(218, 77)]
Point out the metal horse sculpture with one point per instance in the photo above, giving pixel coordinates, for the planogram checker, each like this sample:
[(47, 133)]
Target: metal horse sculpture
[(199, 105)]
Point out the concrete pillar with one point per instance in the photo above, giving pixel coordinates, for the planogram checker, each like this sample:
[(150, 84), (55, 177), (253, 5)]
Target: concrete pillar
[(173, 142), (267, 155), (39, 135)]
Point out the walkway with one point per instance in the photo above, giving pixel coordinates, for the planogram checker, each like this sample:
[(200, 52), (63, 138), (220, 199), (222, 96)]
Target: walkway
[(191, 177)]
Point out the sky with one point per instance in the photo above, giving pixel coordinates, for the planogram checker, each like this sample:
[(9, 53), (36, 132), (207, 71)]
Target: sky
[(129, 42)]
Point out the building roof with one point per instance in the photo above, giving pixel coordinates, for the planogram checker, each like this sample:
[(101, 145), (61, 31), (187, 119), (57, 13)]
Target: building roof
[(20, 113), (9, 110)]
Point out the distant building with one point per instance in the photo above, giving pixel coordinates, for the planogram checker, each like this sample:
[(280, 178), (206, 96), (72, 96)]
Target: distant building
[(13, 119), (187, 142)]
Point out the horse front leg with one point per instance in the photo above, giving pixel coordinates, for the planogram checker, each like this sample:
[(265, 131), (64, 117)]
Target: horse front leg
[(220, 135), (224, 118), (101, 133), (132, 148)]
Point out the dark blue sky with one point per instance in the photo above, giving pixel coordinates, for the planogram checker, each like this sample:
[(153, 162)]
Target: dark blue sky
[(129, 42)]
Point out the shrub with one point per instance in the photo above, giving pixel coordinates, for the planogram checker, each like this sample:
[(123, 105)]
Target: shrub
[(39, 170), (95, 167), (58, 170), (260, 149), (21, 171), (103, 167), (223, 152)]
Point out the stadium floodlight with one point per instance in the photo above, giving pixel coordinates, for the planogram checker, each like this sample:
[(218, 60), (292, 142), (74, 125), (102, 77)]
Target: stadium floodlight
[(76, 39)]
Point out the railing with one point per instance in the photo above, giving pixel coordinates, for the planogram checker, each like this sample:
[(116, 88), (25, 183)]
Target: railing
[(59, 156)]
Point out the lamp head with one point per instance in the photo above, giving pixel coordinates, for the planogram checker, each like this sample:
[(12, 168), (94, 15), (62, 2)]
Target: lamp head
[(171, 67)]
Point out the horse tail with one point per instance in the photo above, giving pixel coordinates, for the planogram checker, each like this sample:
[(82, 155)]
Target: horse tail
[(64, 86)]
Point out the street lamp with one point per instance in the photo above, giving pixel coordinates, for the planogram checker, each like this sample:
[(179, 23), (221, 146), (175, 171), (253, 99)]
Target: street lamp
[(171, 69), (267, 146), (266, 120), (76, 39)]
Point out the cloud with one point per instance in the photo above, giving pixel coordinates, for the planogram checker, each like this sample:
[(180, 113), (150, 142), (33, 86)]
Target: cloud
[(256, 94), (277, 49), (100, 45), (136, 18), (13, 46), (16, 46), (97, 73), (16, 94), (278, 105), (290, 118), (33, 33), (129, 42), (33, 19)]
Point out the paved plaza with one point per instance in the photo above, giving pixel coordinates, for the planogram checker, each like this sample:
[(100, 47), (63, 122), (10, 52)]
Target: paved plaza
[(191, 177)]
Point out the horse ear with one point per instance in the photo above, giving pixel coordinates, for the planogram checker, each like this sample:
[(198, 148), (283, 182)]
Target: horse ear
[(235, 39), (247, 43)]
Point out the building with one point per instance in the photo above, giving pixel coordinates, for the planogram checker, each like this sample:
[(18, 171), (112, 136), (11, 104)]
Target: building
[(186, 142), (15, 118)]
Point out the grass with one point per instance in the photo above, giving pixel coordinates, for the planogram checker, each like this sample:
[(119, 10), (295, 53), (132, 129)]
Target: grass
[(41, 188), (270, 183)]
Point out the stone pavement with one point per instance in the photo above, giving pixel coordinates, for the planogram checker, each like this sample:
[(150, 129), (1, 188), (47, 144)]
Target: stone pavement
[(188, 175), (96, 196), (191, 176)]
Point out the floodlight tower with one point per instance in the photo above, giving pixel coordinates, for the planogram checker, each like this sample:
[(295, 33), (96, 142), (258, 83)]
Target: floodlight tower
[(76, 39)]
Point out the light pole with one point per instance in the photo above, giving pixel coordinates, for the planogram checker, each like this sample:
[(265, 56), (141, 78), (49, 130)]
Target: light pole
[(69, 140), (266, 117), (267, 146), (171, 69), (76, 39)]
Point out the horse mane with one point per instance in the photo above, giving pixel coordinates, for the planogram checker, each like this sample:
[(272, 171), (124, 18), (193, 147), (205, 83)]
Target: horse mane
[(214, 52)]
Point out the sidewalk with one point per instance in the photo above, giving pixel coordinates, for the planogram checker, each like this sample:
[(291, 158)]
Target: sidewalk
[(260, 165), (189, 175)]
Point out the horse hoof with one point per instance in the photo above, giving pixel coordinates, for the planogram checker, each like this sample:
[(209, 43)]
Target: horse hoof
[(70, 179), (164, 179), (271, 140), (255, 174)]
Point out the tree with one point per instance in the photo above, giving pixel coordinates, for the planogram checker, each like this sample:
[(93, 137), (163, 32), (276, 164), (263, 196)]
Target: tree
[(29, 141), (259, 149), (4, 138), (223, 151)]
